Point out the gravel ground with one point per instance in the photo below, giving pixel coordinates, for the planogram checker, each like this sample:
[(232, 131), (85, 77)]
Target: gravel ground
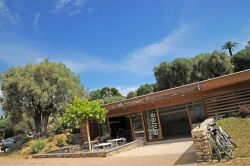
[(187, 159)]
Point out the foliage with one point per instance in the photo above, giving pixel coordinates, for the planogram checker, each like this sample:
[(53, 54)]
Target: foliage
[(144, 89), (131, 94), (239, 134), (37, 91), (241, 60), (60, 142), (169, 75), (6, 128), (247, 45), (229, 45), (210, 65), (39, 145), (113, 99), (107, 94), (82, 109)]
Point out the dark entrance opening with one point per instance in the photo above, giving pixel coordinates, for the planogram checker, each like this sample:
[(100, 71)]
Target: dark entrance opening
[(120, 127), (174, 122)]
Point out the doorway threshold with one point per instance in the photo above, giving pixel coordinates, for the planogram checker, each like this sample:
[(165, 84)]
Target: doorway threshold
[(170, 140)]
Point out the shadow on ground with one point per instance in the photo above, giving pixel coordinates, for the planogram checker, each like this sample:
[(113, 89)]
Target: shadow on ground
[(187, 157)]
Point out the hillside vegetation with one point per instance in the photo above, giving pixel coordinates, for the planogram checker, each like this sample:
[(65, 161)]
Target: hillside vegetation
[(239, 130)]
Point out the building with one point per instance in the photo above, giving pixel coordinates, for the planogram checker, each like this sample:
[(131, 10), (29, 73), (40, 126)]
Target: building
[(175, 112)]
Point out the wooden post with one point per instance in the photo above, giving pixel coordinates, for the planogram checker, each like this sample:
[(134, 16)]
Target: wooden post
[(189, 118), (88, 134), (108, 127), (144, 125), (159, 122), (131, 126)]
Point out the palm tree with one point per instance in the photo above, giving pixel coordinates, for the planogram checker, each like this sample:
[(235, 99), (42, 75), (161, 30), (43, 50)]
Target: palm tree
[(229, 45)]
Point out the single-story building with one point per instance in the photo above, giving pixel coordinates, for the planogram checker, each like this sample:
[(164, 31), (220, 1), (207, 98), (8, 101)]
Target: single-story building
[(175, 112)]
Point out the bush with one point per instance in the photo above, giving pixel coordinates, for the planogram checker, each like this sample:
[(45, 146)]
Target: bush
[(60, 142), (39, 145), (69, 139), (58, 130)]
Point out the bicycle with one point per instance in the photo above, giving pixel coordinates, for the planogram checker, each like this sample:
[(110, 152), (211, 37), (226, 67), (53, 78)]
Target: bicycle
[(221, 142)]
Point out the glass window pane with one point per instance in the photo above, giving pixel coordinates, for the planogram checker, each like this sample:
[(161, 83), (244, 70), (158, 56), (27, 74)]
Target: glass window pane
[(197, 112), (137, 125), (104, 129), (152, 125)]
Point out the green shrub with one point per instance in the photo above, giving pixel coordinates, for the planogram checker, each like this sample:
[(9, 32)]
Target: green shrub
[(58, 130), (39, 145), (69, 139), (60, 142)]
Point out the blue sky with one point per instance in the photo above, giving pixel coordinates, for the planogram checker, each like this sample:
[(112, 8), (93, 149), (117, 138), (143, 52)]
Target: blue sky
[(116, 42)]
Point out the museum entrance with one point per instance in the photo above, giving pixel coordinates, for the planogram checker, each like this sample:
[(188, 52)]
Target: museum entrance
[(174, 122), (120, 127)]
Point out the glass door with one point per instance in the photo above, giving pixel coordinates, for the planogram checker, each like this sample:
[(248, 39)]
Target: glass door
[(153, 127), (137, 125)]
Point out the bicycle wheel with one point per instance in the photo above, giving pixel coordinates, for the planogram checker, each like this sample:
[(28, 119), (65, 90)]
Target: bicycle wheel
[(233, 142), (229, 153), (218, 153)]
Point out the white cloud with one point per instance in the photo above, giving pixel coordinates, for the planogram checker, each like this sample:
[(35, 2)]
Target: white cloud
[(35, 22), (71, 7), (15, 54), (73, 13), (139, 62), (125, 90), (142, 60), (7, 17)]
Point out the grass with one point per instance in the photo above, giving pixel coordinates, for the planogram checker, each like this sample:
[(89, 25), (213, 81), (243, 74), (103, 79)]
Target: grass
[(239, 130)]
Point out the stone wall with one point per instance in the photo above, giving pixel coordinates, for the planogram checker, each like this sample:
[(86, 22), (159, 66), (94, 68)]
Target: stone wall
[(98, 153), (68, 149), (201, 140)]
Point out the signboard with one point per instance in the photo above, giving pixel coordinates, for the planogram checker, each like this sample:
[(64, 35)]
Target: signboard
[(154, 123)]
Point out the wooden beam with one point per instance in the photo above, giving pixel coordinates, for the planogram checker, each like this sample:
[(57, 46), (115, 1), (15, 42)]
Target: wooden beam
[(159, 122), (189, 118), (131, 126), (108, 124)]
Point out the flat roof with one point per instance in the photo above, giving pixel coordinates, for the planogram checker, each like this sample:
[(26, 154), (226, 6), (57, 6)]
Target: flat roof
[(205, 85)]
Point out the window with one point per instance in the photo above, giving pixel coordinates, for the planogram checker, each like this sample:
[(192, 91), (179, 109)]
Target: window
[(137, 125)]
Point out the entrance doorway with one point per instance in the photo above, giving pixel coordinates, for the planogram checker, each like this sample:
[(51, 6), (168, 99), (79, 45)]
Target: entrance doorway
[(120, 127), (174, 122)]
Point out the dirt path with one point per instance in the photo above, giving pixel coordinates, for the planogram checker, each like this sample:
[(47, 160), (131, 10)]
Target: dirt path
[(163, 160)]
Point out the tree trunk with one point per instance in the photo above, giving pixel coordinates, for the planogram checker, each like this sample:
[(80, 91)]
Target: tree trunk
[(44, 123), (230, 52), (88, 135), (37, 119)]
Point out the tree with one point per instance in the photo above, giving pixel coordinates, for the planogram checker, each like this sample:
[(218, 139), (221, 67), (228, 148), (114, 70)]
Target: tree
[(145, 89), (38, 91), (131, 94), (82, 110), (169, 75), (210, 65), (107, 94), (241, 59), (247, 45), (162, 74), (229, 45)]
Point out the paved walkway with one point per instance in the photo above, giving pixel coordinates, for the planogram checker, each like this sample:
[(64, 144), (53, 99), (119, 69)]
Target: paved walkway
[(165, 153), (178, 146)]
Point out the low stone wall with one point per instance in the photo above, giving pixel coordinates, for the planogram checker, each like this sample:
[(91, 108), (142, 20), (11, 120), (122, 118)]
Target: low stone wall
[(201, 138), (68, 149), (126, 147), (100, 153)]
